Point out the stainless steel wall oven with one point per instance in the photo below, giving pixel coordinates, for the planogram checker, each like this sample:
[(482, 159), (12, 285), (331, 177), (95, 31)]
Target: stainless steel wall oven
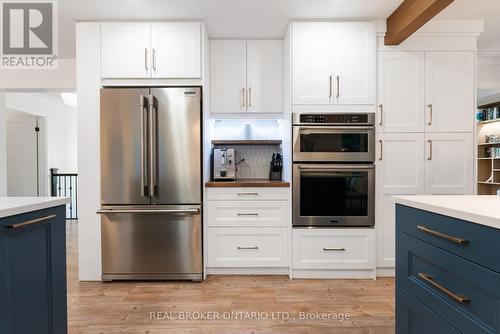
[(333, 170)]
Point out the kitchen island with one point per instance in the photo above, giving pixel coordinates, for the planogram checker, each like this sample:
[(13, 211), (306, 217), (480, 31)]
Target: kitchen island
[(33, 265), (447, 264)]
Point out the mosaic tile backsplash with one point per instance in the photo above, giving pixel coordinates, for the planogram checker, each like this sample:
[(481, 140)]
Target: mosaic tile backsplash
[(257, 160)]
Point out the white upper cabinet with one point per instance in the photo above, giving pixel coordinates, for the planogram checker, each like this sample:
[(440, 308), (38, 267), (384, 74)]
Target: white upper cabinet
[(401, 92), (125, 50), (354, 64), (247, 76), (449, 163), (312, 59), (176, 49), (265, 76), (145, 50), (449, 91), (228, 77), (333, 63)]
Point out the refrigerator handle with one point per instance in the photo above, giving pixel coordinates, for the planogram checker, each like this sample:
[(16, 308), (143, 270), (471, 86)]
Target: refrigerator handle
[(144, 131), (153, 138)]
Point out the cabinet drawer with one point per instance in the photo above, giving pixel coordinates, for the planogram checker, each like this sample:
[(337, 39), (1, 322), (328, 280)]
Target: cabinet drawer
[(333, 249), (247, 213), (247, 247), (481, 244), (413, 317), (247, 194), (425, 271)]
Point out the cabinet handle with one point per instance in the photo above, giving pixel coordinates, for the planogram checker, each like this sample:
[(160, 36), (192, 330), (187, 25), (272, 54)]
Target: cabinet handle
[(381, 156), (248, 194), (146, 59), (243, 97), (430, 150), (154, 59), (381, 114), (429, 106), (247, 247), (31, 222), (327, 249), (247, 214), (331, 88), (456, 240), (338, 86), (249, 96), (428, 278)]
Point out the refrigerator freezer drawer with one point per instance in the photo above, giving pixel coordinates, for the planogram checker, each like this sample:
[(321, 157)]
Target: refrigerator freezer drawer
[(143, 243)]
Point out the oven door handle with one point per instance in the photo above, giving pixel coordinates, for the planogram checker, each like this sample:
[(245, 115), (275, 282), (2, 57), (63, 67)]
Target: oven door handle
[(336, 167), (335, 129)]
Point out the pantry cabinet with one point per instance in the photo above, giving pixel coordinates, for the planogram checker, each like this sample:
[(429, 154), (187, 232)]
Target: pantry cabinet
[(150, 50), (247, 76), (333, 63)]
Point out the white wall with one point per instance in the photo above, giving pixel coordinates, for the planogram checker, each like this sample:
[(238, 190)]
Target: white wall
[(3, 147), (60, 127), (488, 69)]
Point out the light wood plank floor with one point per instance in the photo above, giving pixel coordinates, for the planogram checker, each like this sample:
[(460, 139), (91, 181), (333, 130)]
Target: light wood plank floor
[(124, 307)]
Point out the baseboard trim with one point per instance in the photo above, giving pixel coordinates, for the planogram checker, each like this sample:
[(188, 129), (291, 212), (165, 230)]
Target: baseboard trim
[(386, 272), (333, 274), (248, 271)]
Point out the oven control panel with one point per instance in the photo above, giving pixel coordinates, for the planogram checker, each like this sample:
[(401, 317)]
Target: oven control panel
[(335, 119)]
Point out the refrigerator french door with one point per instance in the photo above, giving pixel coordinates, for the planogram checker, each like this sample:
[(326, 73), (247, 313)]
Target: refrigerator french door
[(151, 183)]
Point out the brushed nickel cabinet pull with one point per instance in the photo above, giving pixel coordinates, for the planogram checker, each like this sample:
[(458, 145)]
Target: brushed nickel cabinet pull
[(249, 96), (247, 214), (441, 235), (243, 97), (247, 247), (428, 278), (154, 59), (430, 114), (248, 194), (381, 150), (430, 150), (327, 249), (146, 59), (381, 106), (331, 84), (338, 86), (31, 222)]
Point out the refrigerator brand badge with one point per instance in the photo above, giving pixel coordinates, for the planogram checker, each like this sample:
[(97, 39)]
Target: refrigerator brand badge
[(29, 34)]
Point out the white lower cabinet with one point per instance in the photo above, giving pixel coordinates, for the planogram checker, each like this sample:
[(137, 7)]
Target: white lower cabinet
[(334, 253), (247, 230)]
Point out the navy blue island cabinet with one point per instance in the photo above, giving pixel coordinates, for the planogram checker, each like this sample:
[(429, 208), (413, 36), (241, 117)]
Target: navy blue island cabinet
[(447, 274), (33, 272)]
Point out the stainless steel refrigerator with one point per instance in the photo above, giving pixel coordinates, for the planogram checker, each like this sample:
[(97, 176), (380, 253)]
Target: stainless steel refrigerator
[(151, 183)]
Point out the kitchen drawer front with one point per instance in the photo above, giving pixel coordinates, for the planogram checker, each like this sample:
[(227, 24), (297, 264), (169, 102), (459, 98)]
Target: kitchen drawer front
[(413, 317), (247, 213), (424, 270), (247, 194), (247, 247), (333, 249), (482, 244)]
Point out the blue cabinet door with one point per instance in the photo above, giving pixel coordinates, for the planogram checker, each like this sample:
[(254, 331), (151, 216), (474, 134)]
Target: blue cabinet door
[(33, 272)]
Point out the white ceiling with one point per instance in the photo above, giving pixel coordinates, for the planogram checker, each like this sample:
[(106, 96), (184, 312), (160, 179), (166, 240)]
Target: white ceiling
[(252, 18)]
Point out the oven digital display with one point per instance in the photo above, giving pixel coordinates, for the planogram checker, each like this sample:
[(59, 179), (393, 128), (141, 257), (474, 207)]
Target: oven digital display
[(334, 118)]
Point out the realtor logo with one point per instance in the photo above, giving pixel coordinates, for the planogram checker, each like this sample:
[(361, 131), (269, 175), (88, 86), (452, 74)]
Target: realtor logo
[(29, 34)]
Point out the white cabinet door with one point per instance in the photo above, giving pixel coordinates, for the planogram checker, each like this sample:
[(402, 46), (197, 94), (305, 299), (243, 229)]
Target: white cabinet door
[(354, 65), (401, 92), (399, 172), (125, 50), (449, 91), (312, 58), (449, 164), (265, 76), (176, 49), (228, 76)]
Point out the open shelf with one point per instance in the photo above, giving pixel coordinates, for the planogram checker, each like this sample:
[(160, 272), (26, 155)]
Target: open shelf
[(489, 121)]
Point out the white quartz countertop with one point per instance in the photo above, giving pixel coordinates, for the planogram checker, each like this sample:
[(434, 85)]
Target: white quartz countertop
[(483, 210), (10, 206)]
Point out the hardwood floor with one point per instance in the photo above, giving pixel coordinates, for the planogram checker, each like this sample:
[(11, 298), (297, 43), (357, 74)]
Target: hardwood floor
[(126, 307)]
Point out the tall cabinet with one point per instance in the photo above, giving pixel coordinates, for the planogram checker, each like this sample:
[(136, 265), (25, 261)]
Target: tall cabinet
[(425, 124)]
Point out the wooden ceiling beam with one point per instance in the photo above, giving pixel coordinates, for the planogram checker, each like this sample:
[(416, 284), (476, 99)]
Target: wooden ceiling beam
[(410, 16)]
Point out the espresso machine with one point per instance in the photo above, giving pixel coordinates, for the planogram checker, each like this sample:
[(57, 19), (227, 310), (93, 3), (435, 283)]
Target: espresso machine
[(224, 167)]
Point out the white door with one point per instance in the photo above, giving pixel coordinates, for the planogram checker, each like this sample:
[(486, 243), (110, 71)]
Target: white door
[(22, 155), (401, 92), (449, 91), (449, 164), (265, 76), (312, 58), (228, 76), (125, 51), (176, 50), (400, 171), (354, 66)]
